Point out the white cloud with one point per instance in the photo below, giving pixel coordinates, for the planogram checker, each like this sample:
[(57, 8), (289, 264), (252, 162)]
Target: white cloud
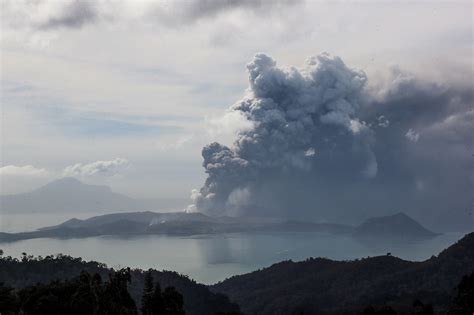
[(27, 170), (383, 122), (412, 135), (310, 152), (98, 168)]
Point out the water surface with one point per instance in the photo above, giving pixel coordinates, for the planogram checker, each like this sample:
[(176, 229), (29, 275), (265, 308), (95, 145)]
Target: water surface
[(209, 259)]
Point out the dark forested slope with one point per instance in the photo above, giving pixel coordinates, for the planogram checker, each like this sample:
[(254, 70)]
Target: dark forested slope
[(29, 271), (325, 285)]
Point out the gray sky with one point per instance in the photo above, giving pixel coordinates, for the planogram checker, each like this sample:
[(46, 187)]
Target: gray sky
[(127, 93)]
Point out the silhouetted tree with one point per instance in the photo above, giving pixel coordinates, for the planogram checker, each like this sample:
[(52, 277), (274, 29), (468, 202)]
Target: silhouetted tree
[(116, 290), (158, 306), (173, 302), (463, 303), (384, 310), (85, 294), (147, 296), (34, 292), (8, 301), (421, 309), (155, 302)]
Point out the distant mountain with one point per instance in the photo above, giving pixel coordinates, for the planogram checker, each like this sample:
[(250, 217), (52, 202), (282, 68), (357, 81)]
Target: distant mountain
[(323, 286), (394, 226), (71, 195)]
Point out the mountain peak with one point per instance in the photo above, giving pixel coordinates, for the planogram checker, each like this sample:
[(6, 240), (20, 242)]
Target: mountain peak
[(395, 225), (401, 215), (69, 194), (71, 183)]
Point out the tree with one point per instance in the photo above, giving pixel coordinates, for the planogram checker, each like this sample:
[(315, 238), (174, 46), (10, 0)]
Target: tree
[(173, 302), (384, 310), (422, 309), (463, 303), (85, 294), (8, 300), (157, 302), (147, 296), (116, 290)]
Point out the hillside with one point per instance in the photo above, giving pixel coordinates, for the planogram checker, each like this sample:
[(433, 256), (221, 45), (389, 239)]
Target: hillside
[(172, 223), (198, 299), (398, 225), (320, 285), (313, 286)]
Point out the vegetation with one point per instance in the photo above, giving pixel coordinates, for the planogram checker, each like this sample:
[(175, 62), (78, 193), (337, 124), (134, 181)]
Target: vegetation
[(154, 302), (323, 286), (39, 276), (87, 294), (383, 285), (463, 303)]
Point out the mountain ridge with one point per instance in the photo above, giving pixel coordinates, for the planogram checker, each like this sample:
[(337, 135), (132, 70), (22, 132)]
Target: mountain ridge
[(69, 195), (320, 286), (193, 223)]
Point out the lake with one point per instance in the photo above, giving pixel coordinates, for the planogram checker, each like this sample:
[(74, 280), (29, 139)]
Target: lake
[(209, 259)]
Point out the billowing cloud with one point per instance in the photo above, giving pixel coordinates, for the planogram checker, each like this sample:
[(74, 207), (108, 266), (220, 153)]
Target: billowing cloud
[(318, 143), (293, 114), (26, 170), (98, 168)]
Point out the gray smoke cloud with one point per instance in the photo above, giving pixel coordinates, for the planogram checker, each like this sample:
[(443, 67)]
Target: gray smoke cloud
[(323, 145), (50, 15), (193, 10), (75, 14)]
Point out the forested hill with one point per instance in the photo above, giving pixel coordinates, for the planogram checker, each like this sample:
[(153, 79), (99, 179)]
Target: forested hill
[(317, 285), (31, 270)]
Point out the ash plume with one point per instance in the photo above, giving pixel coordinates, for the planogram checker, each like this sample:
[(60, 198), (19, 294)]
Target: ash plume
[(323, 145)]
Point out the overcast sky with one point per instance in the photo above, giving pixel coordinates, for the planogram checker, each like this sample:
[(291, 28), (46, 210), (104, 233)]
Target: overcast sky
[(127, 93)]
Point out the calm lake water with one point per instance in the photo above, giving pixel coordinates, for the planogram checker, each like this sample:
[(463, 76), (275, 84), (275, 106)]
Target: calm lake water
[(209, 259)]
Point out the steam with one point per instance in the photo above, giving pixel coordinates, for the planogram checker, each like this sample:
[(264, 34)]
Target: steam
[(317, 142), (293, 114), (97, 168)]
